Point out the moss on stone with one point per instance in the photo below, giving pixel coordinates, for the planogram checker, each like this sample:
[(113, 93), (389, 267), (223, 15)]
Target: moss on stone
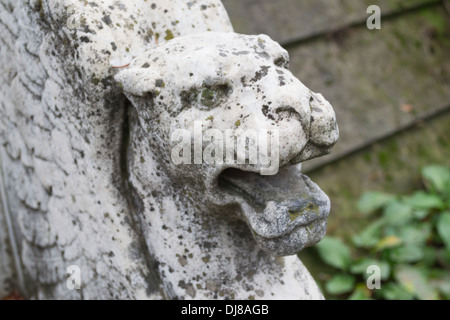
[(310, 209), (169, 35)]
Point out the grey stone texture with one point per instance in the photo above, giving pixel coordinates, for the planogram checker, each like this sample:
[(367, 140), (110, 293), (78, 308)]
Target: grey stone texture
[(91, 93)]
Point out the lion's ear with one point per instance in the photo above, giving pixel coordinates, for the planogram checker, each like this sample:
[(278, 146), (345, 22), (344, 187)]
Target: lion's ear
[(139, 82), (139, 85)]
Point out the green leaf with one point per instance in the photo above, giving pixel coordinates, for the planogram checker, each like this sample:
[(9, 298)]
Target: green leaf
[(443, 228), (422, 200), (407, 254), (442, 284), (388, 242), (339, 284), (334, 252), (370, 236), (361, 266), (360, 293), (372, 201), (437, 177), (397, 213), (415, 282), (417, 233), (393, 291), (420, 214)]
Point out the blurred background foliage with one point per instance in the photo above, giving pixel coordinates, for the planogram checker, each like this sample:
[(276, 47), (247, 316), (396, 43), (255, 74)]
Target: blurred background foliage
[(386, 177), (408, 238)]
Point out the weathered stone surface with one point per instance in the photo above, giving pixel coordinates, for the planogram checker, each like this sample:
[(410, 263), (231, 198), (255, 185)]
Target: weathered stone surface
[(6, 262), (289, 20), (379, 80), (274, 100), (91, 94)]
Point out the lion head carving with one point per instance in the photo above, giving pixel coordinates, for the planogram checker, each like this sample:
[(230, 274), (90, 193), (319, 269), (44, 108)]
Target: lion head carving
[(228, 81)]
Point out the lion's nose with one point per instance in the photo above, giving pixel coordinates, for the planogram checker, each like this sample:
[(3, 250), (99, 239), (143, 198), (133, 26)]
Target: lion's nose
[(324, 131), (322, 134)]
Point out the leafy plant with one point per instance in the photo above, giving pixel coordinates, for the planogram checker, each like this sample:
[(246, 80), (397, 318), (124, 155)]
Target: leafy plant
[(408, 239)]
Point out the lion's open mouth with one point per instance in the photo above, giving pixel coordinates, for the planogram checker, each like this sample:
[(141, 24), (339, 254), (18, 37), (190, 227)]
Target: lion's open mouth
[(278, 208)]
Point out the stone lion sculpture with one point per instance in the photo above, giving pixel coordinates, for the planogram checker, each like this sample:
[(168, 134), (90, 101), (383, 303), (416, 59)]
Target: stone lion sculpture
[(91, 94)]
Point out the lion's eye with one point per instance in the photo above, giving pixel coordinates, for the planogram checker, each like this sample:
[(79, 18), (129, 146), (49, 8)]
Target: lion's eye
[(281, 62), (207, 97), (212, 95)]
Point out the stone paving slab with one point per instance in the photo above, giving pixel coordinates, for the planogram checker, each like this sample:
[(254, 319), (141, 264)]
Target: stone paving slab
[(287, 20), (379, 80)]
